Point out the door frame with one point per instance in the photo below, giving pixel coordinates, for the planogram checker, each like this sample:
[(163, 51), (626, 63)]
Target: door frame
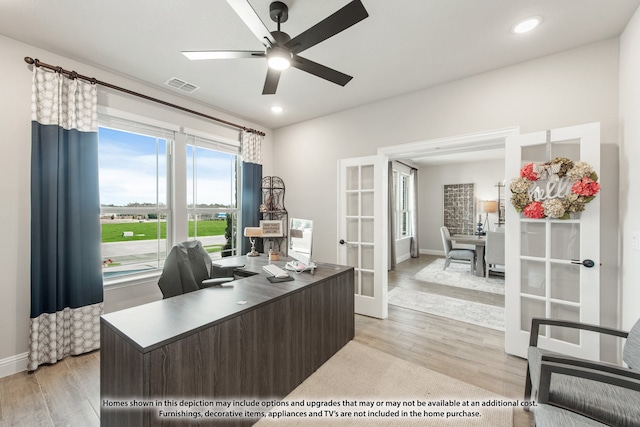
[(470, 142)]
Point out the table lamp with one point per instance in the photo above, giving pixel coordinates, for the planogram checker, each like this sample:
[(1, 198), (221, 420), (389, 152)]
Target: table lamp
[(486, 207), (252, 233)]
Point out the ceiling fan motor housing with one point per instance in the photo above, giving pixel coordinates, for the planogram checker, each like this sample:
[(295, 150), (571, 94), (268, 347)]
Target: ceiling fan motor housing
[(279, 12), (281, 37)]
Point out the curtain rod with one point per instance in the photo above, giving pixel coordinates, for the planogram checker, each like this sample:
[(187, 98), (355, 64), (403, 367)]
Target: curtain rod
[(74, 75), (402, 163)]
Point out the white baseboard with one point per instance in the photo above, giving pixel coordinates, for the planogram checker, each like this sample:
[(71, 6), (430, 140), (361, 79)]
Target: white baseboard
[(432, 252), (13, 364), (403, 258)]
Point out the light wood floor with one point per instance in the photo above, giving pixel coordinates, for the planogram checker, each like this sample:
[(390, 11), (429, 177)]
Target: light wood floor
[(68, 393), (467, 352)]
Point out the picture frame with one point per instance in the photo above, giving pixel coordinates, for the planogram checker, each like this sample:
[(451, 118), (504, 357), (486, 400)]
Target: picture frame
[(271, 228)]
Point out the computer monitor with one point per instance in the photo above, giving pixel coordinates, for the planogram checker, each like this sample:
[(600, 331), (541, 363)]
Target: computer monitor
[(300, 245)]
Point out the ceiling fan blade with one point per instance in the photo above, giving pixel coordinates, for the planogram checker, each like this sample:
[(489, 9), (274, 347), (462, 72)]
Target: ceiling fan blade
[(344, 18), (271, 82), (222, 54), (320, 70), (251, 20)]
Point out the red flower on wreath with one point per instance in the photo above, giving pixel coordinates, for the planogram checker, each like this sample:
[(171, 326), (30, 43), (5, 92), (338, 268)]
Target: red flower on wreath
[(534, 210), (585, 187), (527, 172)]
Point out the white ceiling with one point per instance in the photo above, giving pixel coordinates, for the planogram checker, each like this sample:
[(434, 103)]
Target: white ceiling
[(404, 45)]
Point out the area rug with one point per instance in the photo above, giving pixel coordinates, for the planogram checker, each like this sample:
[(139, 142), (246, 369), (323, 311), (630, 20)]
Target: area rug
[(488, 316), (386, 391), (458, 275)]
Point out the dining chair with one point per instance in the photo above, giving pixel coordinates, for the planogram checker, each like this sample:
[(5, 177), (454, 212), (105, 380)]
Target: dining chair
[(494, 252), (456, 254)]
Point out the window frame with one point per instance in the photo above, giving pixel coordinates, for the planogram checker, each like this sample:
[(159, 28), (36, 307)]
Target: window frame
[(177, 214), (402, 204), (199, 140)]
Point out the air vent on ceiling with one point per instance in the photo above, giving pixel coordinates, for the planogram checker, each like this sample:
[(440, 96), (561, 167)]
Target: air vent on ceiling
[(179, 84)]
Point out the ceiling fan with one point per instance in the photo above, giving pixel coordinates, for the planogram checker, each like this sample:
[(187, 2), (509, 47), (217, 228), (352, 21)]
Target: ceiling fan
[(281, 50)]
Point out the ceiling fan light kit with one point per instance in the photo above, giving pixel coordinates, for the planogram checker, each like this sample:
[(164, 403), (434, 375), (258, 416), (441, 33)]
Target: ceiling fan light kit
[(281, 50), (279, 58)]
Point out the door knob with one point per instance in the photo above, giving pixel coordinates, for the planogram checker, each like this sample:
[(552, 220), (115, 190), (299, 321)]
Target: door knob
[(342, 241), (587, 262)]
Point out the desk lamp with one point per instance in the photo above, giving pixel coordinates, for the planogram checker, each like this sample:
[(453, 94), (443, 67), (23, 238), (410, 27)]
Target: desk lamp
[(486, 207), (252, 233)]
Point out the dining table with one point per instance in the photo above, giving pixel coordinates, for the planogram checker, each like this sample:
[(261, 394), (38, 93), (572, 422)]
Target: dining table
[(479, 242)]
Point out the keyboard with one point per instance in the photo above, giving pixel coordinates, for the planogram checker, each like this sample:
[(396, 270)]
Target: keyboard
[(276, 271)]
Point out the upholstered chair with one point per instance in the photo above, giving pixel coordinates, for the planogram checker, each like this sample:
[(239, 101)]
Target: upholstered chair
[(455, 254), (571, 391)]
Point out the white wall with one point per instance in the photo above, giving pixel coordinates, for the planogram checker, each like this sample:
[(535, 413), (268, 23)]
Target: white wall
[(569, 88), (485, 175), (629, 170), (573, 87), (15, 143)]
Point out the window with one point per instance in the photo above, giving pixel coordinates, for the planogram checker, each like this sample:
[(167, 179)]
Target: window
[(401, 182), (212, 190), (160, 186), (134, 194)]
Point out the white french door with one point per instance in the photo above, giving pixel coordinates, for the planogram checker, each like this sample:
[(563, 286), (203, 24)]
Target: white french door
[(553, 265), (361, 233)]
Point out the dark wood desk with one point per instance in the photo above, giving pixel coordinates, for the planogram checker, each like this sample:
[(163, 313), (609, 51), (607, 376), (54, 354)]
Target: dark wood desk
[(207, 345), (479, 242)]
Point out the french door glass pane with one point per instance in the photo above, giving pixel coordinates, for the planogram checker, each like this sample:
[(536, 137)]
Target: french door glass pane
[(352, 256), (353, 178), (569, 149), (565, 312), (353, 204), (566, 282), (367, 178), (530, 308), (367, 230), (534, 154), (367, 203), (565, 241), (533, 278), (367, 257), (353, 229), (367, 283), (533, 239)]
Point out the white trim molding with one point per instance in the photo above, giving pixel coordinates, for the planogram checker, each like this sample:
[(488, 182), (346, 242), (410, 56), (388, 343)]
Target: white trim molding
[(13, 364), (460, 143)]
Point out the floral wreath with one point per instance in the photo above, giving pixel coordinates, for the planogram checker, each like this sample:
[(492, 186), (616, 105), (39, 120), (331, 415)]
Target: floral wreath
[(583, 190)]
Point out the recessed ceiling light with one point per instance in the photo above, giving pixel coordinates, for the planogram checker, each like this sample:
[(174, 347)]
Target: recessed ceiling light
[(527, 25), (277, 109)]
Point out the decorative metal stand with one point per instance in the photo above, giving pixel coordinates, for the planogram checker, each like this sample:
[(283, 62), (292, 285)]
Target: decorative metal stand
[(272, 208)]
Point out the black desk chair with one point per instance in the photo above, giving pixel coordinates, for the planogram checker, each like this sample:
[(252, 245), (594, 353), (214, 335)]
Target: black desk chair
[(188, 268)]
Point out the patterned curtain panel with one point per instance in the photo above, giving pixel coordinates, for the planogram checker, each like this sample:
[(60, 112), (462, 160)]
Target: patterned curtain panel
[(66, 274), (391, 207), (413, 200), (251, 184)]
